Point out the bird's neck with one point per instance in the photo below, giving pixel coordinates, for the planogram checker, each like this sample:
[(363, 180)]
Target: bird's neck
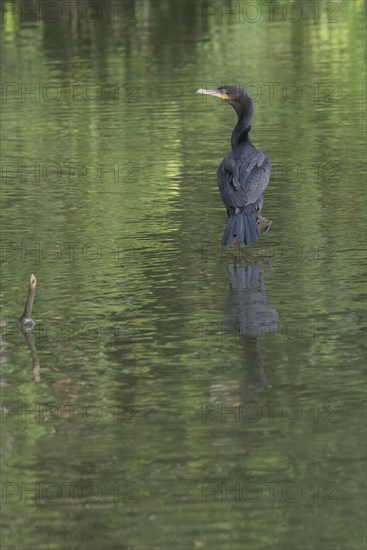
[(242, 129)]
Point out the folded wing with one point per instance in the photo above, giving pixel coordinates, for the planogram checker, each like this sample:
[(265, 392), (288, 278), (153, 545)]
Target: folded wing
[(243, 181)]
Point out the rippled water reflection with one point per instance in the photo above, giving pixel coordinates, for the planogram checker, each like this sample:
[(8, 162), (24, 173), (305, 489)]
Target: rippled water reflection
[(172, 396)]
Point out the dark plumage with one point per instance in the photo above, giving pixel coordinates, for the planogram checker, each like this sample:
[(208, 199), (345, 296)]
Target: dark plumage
[(243, 174)]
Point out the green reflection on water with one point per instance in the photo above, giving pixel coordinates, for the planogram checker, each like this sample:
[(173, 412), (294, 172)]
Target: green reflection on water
[(111, 199)]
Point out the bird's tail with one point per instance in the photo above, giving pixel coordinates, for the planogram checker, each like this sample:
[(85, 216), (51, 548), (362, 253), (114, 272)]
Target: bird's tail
[(242, 227)]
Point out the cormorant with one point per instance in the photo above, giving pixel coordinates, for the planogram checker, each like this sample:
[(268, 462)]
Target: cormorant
[(244, 173)]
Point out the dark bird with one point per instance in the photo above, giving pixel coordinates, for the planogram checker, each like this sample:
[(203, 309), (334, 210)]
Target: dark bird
[(244, 173)]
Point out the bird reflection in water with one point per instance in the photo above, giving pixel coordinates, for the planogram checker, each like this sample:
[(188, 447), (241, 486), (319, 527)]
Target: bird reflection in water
[(250, 319)]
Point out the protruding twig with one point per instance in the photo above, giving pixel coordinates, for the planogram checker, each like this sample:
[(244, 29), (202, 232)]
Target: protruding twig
[(26, 325), (26, 322)]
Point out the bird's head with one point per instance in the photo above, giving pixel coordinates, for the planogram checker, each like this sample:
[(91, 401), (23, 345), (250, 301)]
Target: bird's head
[(242, 103), (238, 97)]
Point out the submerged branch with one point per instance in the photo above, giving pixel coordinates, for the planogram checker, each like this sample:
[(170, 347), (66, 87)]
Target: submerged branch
[(26, 322)]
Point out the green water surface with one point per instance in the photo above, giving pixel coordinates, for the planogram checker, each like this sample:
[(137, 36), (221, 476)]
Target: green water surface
[(170, 396)]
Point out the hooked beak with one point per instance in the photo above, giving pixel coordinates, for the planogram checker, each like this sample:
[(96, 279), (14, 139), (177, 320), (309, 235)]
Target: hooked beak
[(215, 93)]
